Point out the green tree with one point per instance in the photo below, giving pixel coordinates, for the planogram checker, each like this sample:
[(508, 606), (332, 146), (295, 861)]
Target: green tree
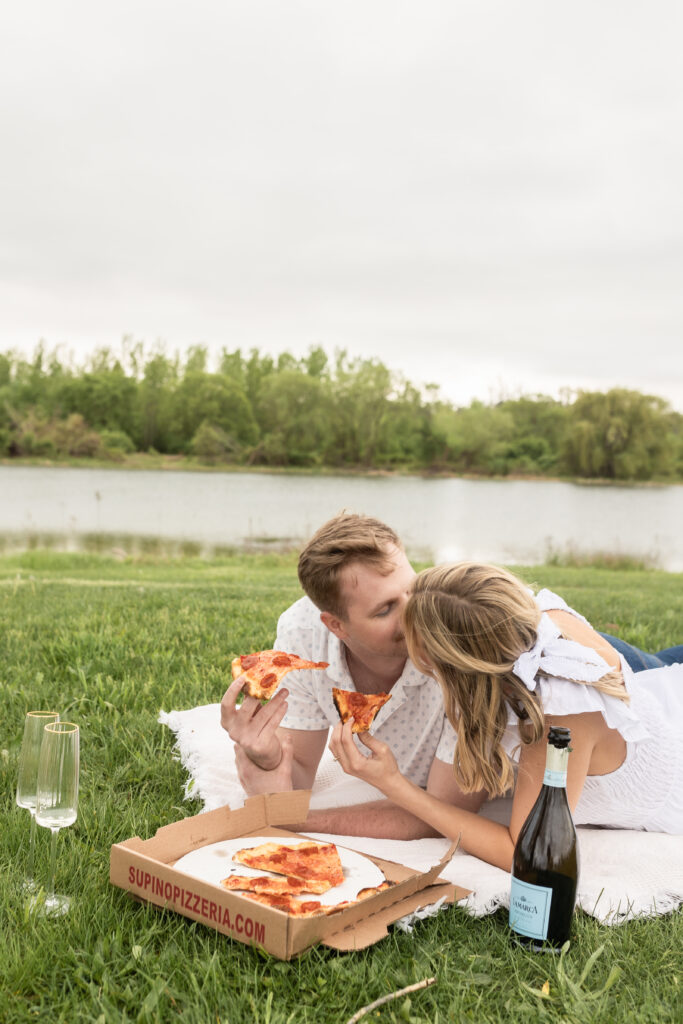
[(406, 437), (476, 436), (213, 445), (538, 425), (210, 397), (155, 401), (620, 435), (316, 363), (256, 369), (232, 365), (5, 370), (292, 411), (104, 395), (358, 410)]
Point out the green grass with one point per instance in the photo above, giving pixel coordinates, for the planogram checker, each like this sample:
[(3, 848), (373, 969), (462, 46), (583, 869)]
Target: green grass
[(108, 643)]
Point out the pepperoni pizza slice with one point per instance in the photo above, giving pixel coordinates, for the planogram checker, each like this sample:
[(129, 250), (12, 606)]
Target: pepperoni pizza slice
[(289, 904), (277, 886), (265, 669), (311, 908), (287, 901), (305, 861), (361, 707), (363, 894)]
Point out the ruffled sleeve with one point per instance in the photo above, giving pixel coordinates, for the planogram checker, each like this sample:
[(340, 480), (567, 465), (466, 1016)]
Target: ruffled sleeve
[(547, 601), (564, 697), (560, 672)]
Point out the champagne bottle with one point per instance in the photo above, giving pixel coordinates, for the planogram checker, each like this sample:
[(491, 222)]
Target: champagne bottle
[(545, 866)]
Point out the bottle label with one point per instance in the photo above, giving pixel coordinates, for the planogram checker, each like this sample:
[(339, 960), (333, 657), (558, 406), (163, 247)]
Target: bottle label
[(557, 779), (530, 909)]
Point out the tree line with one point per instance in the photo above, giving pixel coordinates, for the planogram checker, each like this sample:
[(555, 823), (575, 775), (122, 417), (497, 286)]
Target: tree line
[(337, 412)]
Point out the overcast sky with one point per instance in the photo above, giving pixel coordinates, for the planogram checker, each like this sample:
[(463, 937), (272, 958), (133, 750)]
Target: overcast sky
[(483, 194)]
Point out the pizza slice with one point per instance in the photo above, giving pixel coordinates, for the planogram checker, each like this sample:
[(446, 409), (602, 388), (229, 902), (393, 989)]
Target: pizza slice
[(281, 893), (305, 861), (265, 669), (288, 904), (363, 894), (361, 707), (277, 886)]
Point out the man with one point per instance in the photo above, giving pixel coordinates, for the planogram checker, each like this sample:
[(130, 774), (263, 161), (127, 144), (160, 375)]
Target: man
[(356, 576)]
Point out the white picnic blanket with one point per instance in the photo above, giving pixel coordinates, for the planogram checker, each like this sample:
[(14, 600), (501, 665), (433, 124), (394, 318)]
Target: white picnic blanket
[(623, 875)]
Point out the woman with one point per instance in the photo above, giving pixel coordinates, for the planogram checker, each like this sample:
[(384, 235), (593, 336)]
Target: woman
[(510, 665)]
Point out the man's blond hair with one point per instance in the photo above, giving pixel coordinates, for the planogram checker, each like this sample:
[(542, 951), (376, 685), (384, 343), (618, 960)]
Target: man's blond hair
[(343, 540)]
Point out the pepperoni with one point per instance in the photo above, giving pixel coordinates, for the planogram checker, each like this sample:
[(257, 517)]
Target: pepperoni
[(282, 660), (269, 678), (248, 661)]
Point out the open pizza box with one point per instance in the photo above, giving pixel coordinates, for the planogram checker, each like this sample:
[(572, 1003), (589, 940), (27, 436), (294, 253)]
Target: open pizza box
[(146, 869)]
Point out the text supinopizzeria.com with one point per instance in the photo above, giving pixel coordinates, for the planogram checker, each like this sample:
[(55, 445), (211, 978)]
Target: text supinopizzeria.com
[(185, 899)]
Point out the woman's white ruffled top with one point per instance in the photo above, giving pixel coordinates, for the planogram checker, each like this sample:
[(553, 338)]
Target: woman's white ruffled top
[(646, 791)]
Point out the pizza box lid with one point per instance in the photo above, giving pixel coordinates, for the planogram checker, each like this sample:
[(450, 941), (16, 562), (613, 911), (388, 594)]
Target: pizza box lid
[(145, 868)]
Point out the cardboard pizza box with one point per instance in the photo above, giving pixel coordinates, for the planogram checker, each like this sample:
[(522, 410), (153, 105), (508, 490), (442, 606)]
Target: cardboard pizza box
[(145, 868)]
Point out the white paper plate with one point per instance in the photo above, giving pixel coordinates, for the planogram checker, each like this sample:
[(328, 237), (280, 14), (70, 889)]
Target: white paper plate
[(213, 863)]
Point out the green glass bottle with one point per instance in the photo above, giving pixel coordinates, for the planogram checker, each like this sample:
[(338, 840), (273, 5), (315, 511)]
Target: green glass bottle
[(545, 866)]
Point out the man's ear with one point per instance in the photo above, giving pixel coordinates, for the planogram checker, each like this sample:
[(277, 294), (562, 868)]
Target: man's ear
[(334, 624)]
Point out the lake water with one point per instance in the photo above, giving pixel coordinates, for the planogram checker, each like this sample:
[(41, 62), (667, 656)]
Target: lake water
[(512, 521)]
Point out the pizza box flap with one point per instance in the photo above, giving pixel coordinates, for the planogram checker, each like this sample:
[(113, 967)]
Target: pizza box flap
[(412, 891), (396, 872), (376, 926), (170, 842)]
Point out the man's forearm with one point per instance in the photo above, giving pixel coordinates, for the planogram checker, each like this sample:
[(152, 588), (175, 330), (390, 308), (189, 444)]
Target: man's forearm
[(302, 776), (378, 820)]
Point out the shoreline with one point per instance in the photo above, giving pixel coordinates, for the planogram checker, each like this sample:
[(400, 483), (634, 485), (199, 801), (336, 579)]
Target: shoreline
[(142, 462)]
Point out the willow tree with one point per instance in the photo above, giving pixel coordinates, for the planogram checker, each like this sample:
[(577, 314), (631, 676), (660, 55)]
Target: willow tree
[(619, 435)]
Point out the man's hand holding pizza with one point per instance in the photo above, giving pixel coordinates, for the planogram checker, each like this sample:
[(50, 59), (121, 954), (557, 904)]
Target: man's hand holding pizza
[(253, 726)]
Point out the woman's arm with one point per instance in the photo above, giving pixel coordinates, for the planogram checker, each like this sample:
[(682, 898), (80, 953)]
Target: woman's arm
[(485, 839), (480, 837), (587, 730)]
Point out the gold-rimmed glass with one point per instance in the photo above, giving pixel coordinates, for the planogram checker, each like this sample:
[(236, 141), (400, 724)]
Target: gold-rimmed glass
[(57, 797)]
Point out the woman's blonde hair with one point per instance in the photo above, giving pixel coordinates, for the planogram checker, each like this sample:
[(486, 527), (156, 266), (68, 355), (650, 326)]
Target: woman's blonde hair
[(468, 623)]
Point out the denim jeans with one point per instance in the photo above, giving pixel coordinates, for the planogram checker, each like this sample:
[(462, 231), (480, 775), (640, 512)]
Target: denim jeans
[(641, 660)]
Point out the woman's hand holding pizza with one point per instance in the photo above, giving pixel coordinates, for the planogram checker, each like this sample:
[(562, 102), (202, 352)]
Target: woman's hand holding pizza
[(378, 769), (252, 725)]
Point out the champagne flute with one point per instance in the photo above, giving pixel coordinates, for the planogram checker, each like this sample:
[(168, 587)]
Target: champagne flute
[(34, 727), (57, 797)]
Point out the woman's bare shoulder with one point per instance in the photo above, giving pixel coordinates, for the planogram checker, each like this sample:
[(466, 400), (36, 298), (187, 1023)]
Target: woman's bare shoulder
[(574, 629)]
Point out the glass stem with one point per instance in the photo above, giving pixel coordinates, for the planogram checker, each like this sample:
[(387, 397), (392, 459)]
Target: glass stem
[(53, 862), (31, 848)]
